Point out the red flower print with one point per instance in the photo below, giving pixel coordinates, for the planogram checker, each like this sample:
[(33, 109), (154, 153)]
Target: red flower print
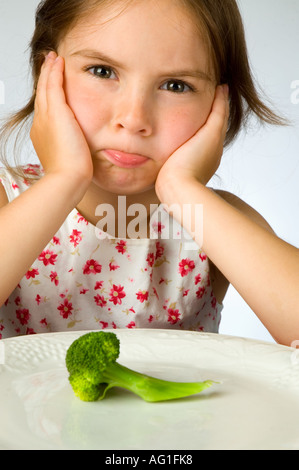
[(76, 237), (214, 302), (197, 279), (158, 227), (18, 301), (186, 292), (150, 259), (31, 273), (155, 292), (186, 266), (47, 257), (56, 240), (23, 315), (44, 322), (200, 292), (54, 278), (142, 296), (83, 291), (113, 266), (131, 325), (202, 256), (116, 294), (98, 285), (173, 316), (38, 299), (159, 250), (100, 300), (31, 169), (65, 309), (150, 318), (121, 246), (81, 219), (30, 331), (92, 267), (104, 324)]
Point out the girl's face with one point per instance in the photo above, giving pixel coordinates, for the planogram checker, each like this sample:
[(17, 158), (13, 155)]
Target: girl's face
[(138, 83)]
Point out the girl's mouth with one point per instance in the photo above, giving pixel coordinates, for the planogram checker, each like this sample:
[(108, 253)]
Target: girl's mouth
[(123, 159)]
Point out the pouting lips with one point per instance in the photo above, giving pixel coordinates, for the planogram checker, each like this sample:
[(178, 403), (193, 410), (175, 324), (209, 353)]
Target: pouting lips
[(125, 160)]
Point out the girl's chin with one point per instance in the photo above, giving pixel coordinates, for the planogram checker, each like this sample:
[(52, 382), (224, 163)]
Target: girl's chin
[(123, 186), (122, 180)]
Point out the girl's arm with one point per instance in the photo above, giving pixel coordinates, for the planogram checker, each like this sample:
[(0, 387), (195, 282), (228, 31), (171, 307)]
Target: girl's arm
[(30, 221), (27, 225), (262, 268)]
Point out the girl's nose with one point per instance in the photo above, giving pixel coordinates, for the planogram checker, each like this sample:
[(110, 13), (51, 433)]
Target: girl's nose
[(133, 114)]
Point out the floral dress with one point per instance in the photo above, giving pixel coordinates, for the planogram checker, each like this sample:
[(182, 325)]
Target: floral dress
[(83, 280)]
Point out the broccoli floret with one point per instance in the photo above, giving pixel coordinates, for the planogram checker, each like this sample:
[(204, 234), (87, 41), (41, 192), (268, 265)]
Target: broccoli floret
[(91, 363)]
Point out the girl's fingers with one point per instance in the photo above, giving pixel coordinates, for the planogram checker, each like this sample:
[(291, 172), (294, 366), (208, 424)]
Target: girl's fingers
[(41, 90), (54, 88), (212, 135), (49, 87), (218, 119)]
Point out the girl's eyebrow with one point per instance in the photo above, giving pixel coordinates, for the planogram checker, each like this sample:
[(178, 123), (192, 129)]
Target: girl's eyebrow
[(97, 55), (91, 54), (199, 74)]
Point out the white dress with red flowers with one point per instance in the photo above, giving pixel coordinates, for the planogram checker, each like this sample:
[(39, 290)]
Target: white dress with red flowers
[(83, 280)]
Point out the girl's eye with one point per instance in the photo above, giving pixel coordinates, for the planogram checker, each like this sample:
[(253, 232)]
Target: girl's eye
[(176, 86), (102, 71)]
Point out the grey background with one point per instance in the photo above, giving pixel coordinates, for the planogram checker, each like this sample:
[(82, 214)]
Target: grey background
[(263, 165)]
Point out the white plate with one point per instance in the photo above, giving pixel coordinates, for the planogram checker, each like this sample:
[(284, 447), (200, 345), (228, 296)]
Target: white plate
[(255, 405)]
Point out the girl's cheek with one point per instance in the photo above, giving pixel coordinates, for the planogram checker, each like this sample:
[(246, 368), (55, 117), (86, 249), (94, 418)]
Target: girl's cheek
[(184, 123), (88, 110), (180, 128)]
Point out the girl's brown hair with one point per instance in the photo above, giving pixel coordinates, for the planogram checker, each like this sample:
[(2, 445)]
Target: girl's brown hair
[(220, 23)]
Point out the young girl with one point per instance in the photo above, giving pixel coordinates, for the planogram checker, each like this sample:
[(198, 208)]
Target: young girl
[(133, 102)]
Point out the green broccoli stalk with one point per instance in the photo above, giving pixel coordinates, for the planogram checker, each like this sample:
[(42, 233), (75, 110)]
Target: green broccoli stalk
[(92, 367)]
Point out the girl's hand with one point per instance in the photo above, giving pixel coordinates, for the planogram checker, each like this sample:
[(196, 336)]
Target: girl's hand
[(56, 135), (199, 158)]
